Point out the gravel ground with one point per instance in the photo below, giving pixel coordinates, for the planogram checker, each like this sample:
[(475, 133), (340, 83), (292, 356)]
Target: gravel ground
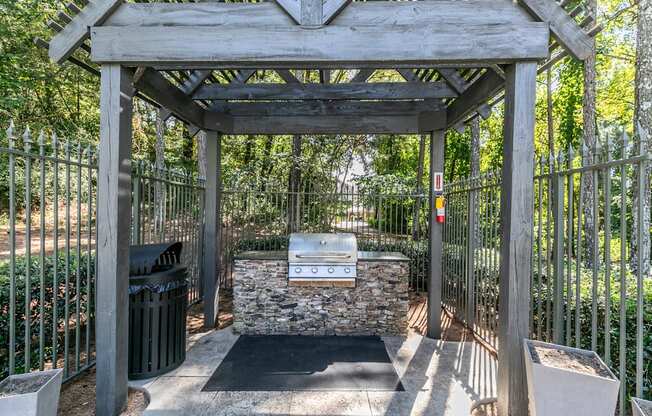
[(78, 398)]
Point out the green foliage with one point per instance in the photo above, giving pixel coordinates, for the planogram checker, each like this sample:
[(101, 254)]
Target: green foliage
[(46, 301), (416, 251)]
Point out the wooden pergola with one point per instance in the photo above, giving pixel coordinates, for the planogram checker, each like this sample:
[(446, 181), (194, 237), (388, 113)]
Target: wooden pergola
[(196, 60)]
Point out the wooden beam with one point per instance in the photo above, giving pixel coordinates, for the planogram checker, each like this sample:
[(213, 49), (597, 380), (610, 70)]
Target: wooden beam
[(154, 85), (363, 75), (477, 94), (312, 12), (326, 108), (342, 124), (435, 246), (287, 76), (113, 238), (64, 43), (423, 13), (292, 8), (212, 255), (566, 30), (454, 79), (330, 46), (516, 236), (346, 91), (332, 8)]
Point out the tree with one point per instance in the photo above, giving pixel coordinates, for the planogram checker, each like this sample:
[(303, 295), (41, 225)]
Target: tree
[(589, 141), (643, 128)]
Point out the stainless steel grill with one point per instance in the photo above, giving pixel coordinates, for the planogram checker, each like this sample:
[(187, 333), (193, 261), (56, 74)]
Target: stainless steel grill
[(322, 256)]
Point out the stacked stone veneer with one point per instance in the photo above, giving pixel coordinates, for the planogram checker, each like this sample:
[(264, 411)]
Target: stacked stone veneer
[(264, 304)]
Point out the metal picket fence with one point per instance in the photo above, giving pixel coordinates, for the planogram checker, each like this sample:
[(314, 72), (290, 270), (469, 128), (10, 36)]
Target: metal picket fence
[(262, 218), (47, 260), (589, 289)]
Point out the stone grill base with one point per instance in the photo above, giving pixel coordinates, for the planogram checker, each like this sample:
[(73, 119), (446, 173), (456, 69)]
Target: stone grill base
[(264, 303)]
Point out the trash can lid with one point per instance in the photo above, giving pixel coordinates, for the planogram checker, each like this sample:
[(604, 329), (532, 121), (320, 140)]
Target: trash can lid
[(145, 259)]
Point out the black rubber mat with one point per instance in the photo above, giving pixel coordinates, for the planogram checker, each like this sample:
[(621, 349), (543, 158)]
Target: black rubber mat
[(287, 363)]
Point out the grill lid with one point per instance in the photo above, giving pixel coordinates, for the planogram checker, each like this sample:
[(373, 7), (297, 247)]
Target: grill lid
[(321, 248)]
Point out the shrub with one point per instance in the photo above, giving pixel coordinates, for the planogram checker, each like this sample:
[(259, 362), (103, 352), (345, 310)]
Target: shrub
[(44, 300)]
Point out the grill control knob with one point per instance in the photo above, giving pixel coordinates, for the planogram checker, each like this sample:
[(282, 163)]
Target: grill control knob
[(331, 270), (298, 270), (347, 270), (314, 270)]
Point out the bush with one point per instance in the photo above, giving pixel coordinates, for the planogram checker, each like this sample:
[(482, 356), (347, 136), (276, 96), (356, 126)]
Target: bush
[(87, 306)]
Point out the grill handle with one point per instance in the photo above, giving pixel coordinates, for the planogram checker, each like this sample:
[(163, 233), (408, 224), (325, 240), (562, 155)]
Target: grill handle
[(336, 256)]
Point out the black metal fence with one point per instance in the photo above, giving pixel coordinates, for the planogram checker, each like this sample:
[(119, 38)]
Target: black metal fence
[(47, 259), (590, 288), (262, 219)]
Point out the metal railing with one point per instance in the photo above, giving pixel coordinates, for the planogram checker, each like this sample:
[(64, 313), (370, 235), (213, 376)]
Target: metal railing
[(589, 289), (262, 218), (47, 260)]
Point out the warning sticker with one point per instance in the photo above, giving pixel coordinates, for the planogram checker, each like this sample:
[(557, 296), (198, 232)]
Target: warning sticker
[(439, 182)]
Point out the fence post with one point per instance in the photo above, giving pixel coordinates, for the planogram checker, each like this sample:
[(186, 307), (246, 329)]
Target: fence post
[(470, 255), (558, 219), (135, 201)]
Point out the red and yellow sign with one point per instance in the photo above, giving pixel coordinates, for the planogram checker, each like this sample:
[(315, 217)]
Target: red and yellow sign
[(440, 208)]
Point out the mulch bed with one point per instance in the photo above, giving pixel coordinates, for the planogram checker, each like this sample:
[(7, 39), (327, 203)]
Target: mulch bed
[(564, 359), (78, 398)]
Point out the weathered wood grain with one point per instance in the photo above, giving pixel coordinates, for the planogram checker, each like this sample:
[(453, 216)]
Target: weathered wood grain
[(325, 47), (516, 236), (477, 94), (292, 8), (154, 85), (380, 13), (323, 108), (347, 91), (113, 238), (344, 124), (212, 204), (64, 43), (332, 8), (435, 248), (566, 30)]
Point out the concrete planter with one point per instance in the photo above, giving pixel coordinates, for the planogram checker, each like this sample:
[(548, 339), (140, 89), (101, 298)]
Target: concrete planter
[(555, 391), (641, 407), (33, 394)]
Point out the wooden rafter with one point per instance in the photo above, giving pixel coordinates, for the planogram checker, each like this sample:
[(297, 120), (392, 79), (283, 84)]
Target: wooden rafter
[(347, 91)]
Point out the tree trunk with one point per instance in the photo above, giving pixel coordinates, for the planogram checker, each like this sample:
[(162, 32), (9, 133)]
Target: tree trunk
[(475, 172), (589, 144), (550, 114), (643, 128), (159, 188), (294, 184), (475, 147), (267, 162), (417, 202), (201, 154)]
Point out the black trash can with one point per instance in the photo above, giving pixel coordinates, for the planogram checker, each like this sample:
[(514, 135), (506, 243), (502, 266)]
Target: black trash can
[(158, 298)]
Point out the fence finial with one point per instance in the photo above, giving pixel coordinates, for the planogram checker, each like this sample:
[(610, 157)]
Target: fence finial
[(27, 139), (41, 138), (10, 133)]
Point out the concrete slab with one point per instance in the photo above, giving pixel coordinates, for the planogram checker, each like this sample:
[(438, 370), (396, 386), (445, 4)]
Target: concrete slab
[(341, 403), (171, 396), (440, 378), (251, 403)]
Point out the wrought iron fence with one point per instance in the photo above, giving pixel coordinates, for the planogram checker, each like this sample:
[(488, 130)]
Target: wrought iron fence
[(589, 287), (262, 219), (47, 260)]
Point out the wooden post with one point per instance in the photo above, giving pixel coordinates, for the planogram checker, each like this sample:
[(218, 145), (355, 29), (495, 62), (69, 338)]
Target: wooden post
[(212, 225), (113, 223), (516, 236), (435, 238)]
